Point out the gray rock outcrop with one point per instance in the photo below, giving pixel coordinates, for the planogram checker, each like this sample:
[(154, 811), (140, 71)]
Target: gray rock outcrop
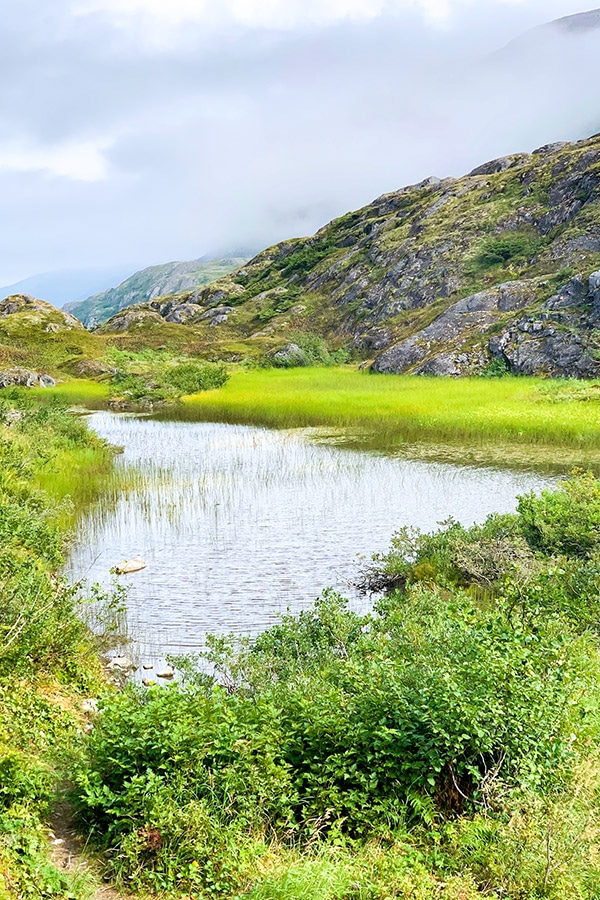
[(18, 377)]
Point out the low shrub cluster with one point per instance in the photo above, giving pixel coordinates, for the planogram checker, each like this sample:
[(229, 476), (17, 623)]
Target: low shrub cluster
[(515, 246), (303, 350), (152, 377), (442, 746)]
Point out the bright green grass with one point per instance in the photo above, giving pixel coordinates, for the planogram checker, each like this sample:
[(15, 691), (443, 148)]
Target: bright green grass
[(80, 392), (391, 410)]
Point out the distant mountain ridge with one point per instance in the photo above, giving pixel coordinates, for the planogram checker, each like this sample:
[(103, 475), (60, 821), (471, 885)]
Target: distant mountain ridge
[(152, 282), (585, 21), (526, 47), (68, 286)]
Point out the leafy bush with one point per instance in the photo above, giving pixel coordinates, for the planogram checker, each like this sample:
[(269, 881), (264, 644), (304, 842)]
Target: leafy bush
[(482, 555), (565, 520), (153, 377), (278, 305), (301, 261), (341, 725), (498, 368), (447, 737), (189, 377), (311, 350), (47, 653)]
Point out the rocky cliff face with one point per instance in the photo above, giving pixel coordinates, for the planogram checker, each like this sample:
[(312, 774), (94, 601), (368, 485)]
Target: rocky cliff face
[(445, 277)]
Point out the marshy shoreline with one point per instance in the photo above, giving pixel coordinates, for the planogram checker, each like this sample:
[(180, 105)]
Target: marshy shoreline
[(440, 745)]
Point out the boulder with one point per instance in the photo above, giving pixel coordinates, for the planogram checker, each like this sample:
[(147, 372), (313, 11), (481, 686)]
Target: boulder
[(181, 315), (92, 368), (133, 317), (37, 311), (462, 320), (499, 165), (218, 315), (289, 355), (536, 348), (121, 663), (18, 377), (168, 672)]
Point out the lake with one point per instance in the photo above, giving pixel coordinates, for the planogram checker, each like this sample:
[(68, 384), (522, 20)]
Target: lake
[(239, 524)]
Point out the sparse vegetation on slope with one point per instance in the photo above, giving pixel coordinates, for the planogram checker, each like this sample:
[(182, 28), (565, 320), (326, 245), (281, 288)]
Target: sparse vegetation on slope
[(498, 269), (443, 277)]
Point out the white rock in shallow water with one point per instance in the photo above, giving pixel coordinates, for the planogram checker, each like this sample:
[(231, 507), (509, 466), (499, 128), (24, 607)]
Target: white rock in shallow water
[(148, 682), (148, 666), (130, 565), (121, 662), (167, 672)]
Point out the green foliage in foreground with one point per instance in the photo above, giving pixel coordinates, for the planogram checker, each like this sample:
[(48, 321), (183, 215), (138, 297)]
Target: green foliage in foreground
[(443, 746), (48, 657)]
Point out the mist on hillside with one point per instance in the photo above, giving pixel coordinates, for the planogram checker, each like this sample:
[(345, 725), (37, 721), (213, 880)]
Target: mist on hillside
[(133, 144)]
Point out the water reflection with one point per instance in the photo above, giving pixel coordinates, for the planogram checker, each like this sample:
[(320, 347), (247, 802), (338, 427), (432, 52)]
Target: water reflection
[(238, 524)]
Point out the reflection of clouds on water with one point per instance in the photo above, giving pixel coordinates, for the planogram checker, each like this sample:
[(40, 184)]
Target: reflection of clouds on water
[(238, 524)]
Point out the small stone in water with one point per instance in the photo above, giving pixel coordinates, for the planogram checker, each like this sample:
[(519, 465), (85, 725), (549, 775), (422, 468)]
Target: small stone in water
[(148, 666), (121, 662), (167, 672), (130, 565), (148, 682)]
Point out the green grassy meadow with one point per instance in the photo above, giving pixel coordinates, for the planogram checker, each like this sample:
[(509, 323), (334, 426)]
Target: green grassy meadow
[(511, 421), (527, 413)]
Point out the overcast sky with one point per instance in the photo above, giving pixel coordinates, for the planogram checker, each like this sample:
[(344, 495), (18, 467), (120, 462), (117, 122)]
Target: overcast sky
[(140, 131)]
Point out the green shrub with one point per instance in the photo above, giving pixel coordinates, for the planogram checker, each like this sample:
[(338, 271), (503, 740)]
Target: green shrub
[(445, 739), (310, 254), (155, 378), (498, 368), (47, 653), (312, 351), (510, 246), (190, 378), (565, 520), (333, 724)]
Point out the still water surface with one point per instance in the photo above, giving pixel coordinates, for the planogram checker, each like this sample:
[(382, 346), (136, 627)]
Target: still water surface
[(239, 524)]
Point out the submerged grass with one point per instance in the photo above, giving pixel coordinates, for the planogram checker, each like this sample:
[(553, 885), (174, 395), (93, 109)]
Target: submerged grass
[(404, 408)]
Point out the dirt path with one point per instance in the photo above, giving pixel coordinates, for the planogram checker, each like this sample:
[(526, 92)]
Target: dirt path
[(67, 851)]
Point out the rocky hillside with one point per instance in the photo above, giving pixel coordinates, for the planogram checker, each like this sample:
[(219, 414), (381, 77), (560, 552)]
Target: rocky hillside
[(155, 281), (448, 276), (21, 312)]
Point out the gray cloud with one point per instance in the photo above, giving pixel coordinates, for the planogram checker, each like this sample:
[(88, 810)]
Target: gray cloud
[(236, 136)]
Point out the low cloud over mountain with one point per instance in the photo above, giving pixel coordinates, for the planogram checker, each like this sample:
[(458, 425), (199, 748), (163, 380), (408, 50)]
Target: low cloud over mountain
[(133, 130)]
